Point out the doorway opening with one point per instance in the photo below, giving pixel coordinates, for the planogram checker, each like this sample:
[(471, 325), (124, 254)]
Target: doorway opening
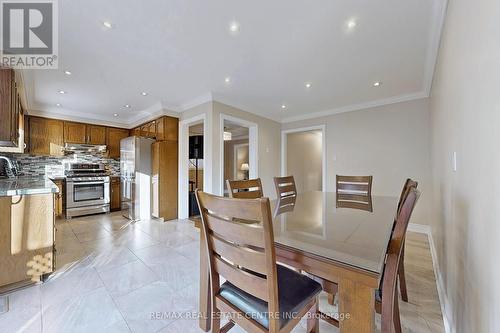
[(238, 150), (304, 158), (193, 164)]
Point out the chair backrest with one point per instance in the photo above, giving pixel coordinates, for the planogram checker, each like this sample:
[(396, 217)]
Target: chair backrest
[(245, 189), (409, 184), (243, 253), (285, 187), (394, 253), (354, 192)]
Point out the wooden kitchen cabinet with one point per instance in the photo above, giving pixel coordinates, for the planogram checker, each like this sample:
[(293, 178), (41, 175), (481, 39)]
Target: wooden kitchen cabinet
[(46, 136), (164, 164), (59, 205), (96, 135), (75, 132), (135, 131), (115, 195), (10, 109), (26, 239), (148, 130), (167, 128), (114, 136)]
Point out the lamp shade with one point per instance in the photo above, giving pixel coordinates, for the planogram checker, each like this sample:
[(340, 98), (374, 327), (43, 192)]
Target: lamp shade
[(245, 167)]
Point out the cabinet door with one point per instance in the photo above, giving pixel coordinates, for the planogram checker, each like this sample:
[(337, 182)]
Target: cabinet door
[(96, 135), (171, 126), (75, 132), (115, 135), (135, 131), (115, 194), (149, 130), (8, 129), (46, 136)]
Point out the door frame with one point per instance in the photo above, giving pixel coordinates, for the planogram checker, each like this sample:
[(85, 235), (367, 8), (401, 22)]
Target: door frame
[(284, 134), (183, 200), (253, 148)]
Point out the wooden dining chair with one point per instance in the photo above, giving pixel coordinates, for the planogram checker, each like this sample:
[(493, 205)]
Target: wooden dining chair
[(388, 304), (354, 192), (386, 300), (258, 295), (409, 184), (245, 189), (285, 187)]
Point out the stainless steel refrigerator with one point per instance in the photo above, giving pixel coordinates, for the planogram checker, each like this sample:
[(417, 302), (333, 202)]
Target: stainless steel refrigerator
[(135, 168)]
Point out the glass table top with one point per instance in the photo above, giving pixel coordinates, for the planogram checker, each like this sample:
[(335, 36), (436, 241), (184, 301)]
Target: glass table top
[(353, 236)]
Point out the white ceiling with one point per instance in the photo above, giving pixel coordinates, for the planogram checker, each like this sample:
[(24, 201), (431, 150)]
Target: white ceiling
[(181, 51)]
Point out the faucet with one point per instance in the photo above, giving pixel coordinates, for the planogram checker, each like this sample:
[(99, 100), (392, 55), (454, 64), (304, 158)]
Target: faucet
[(9, 163)]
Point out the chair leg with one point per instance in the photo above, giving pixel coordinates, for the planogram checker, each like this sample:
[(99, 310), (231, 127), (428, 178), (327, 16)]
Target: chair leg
[(313, 318), (397, 318), (402, 278), (216, 316)]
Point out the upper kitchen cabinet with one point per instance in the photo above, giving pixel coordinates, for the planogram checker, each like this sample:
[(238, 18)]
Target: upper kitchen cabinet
[(162, 129), (167, 129), (149, 130), (75, 132), (96, 135), (10, 110), (115, 135), (46, 136)]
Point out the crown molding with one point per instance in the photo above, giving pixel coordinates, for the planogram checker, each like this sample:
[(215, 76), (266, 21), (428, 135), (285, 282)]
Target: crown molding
[(71, 115), (357, 107), (202, 99), (440, 7)]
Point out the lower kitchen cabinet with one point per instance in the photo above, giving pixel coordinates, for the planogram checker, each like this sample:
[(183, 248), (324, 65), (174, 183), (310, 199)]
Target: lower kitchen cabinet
[(26, 239), (115, 195), (59, 203)]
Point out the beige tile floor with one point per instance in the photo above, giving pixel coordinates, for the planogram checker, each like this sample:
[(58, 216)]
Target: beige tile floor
[(113, 275)]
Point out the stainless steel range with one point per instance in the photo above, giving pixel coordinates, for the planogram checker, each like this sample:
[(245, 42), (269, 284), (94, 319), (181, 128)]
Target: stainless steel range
[(87, 189)]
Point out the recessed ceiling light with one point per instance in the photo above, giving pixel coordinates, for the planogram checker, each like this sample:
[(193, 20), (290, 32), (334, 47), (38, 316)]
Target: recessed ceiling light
[(107, 24), (67, 72), (144, 93), (227, 80), (377, 84), (351, 24), (58, 104), (127, 106), (283, 106), (62, 92), (308, 85), (234, 27), (115, 114)]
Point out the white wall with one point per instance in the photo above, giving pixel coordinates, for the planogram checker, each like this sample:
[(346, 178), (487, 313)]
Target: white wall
[(465, 118), (304, 159), (389, 142)]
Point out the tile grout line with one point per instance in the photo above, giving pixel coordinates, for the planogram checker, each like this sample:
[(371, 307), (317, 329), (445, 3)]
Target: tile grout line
[(113, 300)]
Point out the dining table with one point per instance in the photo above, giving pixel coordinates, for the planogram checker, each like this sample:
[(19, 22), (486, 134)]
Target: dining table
[(344, 245)]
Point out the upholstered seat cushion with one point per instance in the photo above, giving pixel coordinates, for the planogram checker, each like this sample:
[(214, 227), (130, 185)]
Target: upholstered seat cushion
[(294, 291)]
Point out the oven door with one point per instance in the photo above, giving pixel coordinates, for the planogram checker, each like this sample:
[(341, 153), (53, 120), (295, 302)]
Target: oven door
[(87, 193)]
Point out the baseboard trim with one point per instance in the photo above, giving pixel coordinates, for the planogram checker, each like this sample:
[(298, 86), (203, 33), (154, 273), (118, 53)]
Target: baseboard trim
[(443, 300)]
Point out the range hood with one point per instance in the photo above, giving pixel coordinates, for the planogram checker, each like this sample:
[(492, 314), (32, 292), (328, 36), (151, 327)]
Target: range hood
[(83, 148)]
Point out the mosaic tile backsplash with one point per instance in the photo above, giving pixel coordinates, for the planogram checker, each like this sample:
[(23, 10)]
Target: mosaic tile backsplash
[(53, 166)]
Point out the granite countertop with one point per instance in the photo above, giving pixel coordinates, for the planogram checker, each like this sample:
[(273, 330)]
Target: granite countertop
[(26, 186)]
